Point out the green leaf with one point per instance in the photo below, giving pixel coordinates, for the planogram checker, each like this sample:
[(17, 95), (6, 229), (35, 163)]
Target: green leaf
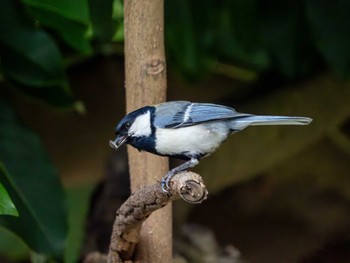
[(330, 25), (6, 205), (30, 58), (118, 17), (118, 9), (281, 40), (285, 36), (12, 247), (187, 38), (78, 204), (69, 18), (244, 21), (77, 10), (237, 35), (34, 187), (103, 25), (72, 32)]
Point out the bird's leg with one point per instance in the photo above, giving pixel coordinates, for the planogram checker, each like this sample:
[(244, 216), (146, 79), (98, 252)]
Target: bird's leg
[(166, 179)]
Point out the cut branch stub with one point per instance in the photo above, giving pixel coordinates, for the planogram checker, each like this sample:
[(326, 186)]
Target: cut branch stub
[(189, 186)]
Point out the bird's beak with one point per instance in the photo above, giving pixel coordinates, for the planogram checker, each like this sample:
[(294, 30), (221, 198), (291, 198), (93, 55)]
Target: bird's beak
[(118, 141)]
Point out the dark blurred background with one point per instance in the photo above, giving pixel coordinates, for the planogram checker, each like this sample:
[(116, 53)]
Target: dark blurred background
[(276, 194)]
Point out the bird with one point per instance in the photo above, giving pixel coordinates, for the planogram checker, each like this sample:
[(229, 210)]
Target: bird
[(187, 130)]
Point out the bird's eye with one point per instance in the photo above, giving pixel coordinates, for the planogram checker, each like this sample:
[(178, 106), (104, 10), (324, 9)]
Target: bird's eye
[(127, 124)]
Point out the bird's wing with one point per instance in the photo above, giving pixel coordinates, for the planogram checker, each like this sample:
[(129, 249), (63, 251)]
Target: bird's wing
[(182, 114)]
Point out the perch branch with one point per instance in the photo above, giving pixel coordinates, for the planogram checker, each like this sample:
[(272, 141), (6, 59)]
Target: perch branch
[(130, 216)]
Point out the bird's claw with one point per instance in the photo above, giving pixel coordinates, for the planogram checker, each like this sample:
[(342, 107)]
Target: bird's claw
[(165, 186), (165, 182)]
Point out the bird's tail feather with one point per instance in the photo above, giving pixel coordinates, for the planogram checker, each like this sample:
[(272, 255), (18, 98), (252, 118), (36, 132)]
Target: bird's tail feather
[(255, 120)]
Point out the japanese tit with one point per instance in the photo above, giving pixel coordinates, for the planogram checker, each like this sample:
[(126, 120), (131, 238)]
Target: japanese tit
[(186, 130)]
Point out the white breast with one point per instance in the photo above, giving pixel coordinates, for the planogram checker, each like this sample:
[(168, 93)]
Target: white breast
[(197, 139)]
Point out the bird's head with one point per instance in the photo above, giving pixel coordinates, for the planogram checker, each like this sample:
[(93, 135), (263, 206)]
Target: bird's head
[(135, 124)]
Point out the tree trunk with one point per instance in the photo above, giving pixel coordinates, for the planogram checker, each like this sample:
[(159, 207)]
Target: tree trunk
[(145, 81)]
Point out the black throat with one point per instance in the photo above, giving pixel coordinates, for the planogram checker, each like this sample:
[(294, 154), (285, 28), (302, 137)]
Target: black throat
[(146, 143)]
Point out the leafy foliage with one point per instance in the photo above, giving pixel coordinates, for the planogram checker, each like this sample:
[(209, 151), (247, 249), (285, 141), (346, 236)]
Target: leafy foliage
[(6, 205), (102, 28), (330, 25), (33, 37), (31, 58), (12, 247), (293, 38), (34, 187), (69, 19), (289, 37), (78, 206)]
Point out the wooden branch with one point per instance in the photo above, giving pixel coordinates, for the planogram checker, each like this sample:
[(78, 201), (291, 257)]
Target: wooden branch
[(130, 216)]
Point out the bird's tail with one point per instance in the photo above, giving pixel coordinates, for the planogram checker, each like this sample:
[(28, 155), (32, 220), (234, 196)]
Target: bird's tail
[(240, 123)]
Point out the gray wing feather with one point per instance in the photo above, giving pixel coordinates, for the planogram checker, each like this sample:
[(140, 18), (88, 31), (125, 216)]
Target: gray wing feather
[(183, 113), (169, 113)]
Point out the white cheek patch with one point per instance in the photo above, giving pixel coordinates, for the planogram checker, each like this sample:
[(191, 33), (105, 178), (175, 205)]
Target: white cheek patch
[(141, 126)]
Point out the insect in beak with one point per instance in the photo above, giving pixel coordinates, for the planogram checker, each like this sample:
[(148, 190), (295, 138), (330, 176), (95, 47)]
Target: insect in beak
[(120, 140)]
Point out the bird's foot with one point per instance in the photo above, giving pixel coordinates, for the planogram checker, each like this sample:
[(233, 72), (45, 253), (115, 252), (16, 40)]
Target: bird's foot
[(183, 167), (165, 182)]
